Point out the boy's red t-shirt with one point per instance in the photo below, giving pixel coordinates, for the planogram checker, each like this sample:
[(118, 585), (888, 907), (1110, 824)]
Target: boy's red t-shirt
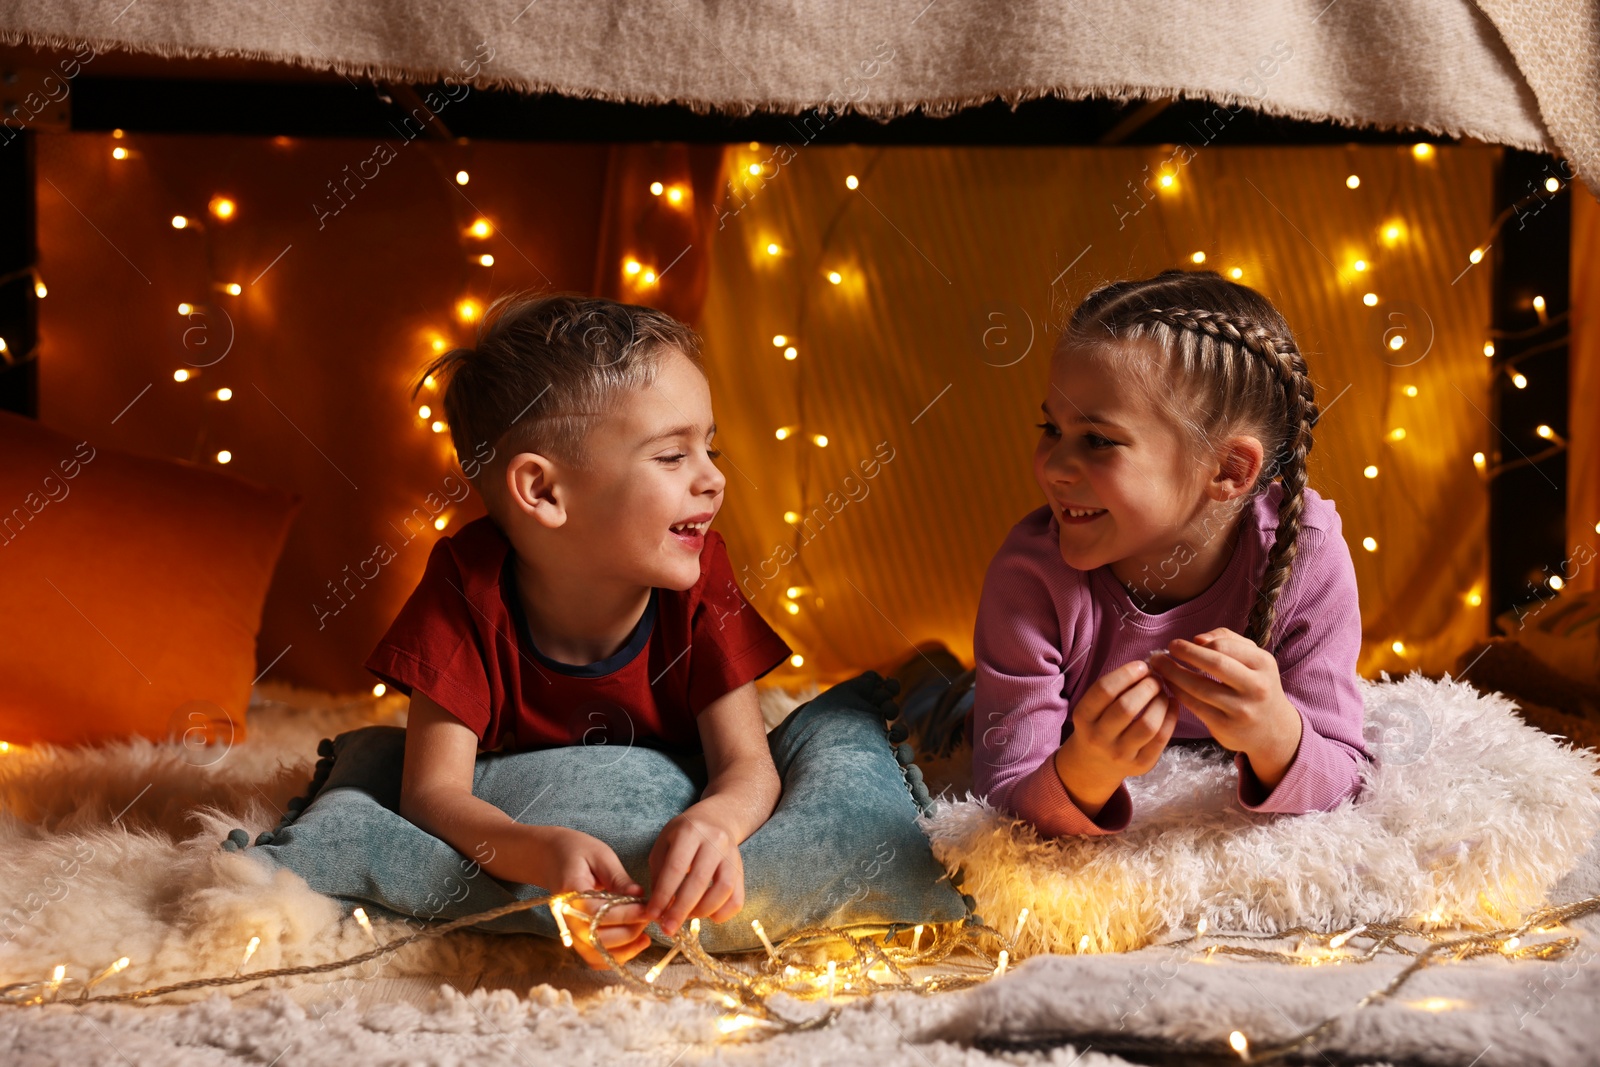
[(462, 639)]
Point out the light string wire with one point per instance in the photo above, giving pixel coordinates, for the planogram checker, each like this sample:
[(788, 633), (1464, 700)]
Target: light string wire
[(783, 973)]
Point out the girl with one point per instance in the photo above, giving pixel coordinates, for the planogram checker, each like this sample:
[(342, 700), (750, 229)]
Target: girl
[(1181, 580)]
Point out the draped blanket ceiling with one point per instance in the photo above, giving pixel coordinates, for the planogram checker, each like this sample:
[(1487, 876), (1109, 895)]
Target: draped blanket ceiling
[(1515, 72)]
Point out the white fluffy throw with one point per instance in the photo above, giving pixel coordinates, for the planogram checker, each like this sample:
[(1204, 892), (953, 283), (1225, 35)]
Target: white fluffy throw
[(1468, 817)]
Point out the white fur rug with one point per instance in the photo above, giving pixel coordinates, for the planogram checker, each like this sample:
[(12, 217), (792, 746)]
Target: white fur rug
[(1469, 814), (113, 851)]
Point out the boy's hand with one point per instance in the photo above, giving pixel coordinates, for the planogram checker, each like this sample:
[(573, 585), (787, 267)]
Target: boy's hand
[(1119, 729), (1242, 703), (696, 872), (580, 861)]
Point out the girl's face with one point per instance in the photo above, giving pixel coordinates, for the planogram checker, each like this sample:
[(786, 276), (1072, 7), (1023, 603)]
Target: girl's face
[(1103, 450)]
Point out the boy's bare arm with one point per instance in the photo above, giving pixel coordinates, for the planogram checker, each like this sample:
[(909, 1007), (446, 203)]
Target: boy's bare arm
[(695, 866)]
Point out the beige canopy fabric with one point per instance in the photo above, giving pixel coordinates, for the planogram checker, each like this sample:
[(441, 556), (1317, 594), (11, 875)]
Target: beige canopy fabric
[(1516, 72)]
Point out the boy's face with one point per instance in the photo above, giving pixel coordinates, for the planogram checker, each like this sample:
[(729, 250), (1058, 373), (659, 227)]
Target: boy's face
[(1127, 463), (650, 472)]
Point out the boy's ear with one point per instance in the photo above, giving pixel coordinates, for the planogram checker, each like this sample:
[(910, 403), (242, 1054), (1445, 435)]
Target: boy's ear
[(531, 489), (1239, 465)]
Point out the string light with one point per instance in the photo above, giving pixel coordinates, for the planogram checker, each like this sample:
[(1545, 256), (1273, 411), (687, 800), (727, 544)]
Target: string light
[(783, 433), (424, 411), (1392, 233), (1411, 390), (1236, 273), (180, 375), (791, 352), (467, 310), (851, 181), (1198, 257), (656, 188), (648, 277), (119, 153), (1422, 150), (773, 248), (1478, 460), (1370, 544), (835, 277), (1519, 379), (233, 288), (1371, 299), (779, 340), (1240, 1044), (791, 517), (437, 426), (833, 969), (1371, 471), (224, 456), (1554, 583), (222, 208), (1488, 348), (1399, 648), (1359, 265), (480, 228), (360, 915), (462, 177), (486, 260), (1474, 598), (1552, 185), (223, 394), (1000, 967), (180, 222), (797, 660), (1475, 256), (39, 289), (820, 440), (250, 950), (1353, 182), (1397, 434), (379, 689), (755, 924), (441, 522), (557, 907)]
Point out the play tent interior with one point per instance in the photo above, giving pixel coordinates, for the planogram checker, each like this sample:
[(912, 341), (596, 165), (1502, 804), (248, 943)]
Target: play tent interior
[(865, 304)]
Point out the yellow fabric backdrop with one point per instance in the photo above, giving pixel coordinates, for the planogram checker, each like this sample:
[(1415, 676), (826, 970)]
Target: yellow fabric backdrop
[(933, 349)]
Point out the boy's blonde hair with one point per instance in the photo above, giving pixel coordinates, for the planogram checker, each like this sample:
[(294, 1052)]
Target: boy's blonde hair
[(543, 368), (1230, 366)]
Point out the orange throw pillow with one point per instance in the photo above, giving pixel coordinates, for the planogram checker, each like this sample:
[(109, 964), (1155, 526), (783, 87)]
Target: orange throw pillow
[(131, 591)]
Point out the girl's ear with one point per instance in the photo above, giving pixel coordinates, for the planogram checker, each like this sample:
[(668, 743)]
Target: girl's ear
[(1239, 466)]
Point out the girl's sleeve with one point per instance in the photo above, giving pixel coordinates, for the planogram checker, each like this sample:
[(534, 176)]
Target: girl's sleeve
[(1019, 702), (1317, 651)]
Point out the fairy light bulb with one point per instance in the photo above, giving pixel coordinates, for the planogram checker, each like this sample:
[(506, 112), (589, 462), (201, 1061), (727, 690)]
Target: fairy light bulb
[(557, 907), (1240, 1043), (1480, 461), (119, 153), (1397, 342), (424, 412), (224, 393), (480, 228), (656, 188), (1198, 257), (779, 340), (655, 972), (250, 950), (1353, 182), (467, 310), (379, 689), (222, 207), (486, 260), (441, 522), (1371, 470), (791, 352), (1411, 390), (437, 426), (1474, 599), (1000, 967), (1166, 181), (1393, 232), (1488, 348), (820, 440), (632, 266), (1371, 300), (1399, 648), (1397, 434), (1555, 582), (1338, 940), (851, 181), (791, 517), (1544, 431), (233, 288), (755, 924), (224, 456), (1083, 943), (1422, 150), (1552, 185), (791, 607), (1519, 379), (835, 277), (783, 433), (797, 660), (773, 249), (180, 222), (462, 177), (648, 277), (185, 308), (1475, 256), (1359, 265), (180, 375), (674, 195), (39, 290), (1236, 273)]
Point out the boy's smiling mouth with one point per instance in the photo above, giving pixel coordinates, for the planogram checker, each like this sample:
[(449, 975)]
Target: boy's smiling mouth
[(692, 531)]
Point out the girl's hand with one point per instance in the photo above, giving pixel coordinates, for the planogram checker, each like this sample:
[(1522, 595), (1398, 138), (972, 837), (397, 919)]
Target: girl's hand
[(1242, 703), (1119, 728)]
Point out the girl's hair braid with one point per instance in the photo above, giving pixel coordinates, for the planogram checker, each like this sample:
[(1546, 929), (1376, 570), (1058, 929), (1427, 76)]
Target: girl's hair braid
[(1236, 360)]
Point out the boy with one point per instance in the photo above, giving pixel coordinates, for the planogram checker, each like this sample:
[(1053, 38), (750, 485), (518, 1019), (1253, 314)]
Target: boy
[(592, 604)]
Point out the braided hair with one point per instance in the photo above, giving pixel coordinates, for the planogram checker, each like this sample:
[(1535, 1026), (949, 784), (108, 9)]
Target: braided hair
[(1232, 366)]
